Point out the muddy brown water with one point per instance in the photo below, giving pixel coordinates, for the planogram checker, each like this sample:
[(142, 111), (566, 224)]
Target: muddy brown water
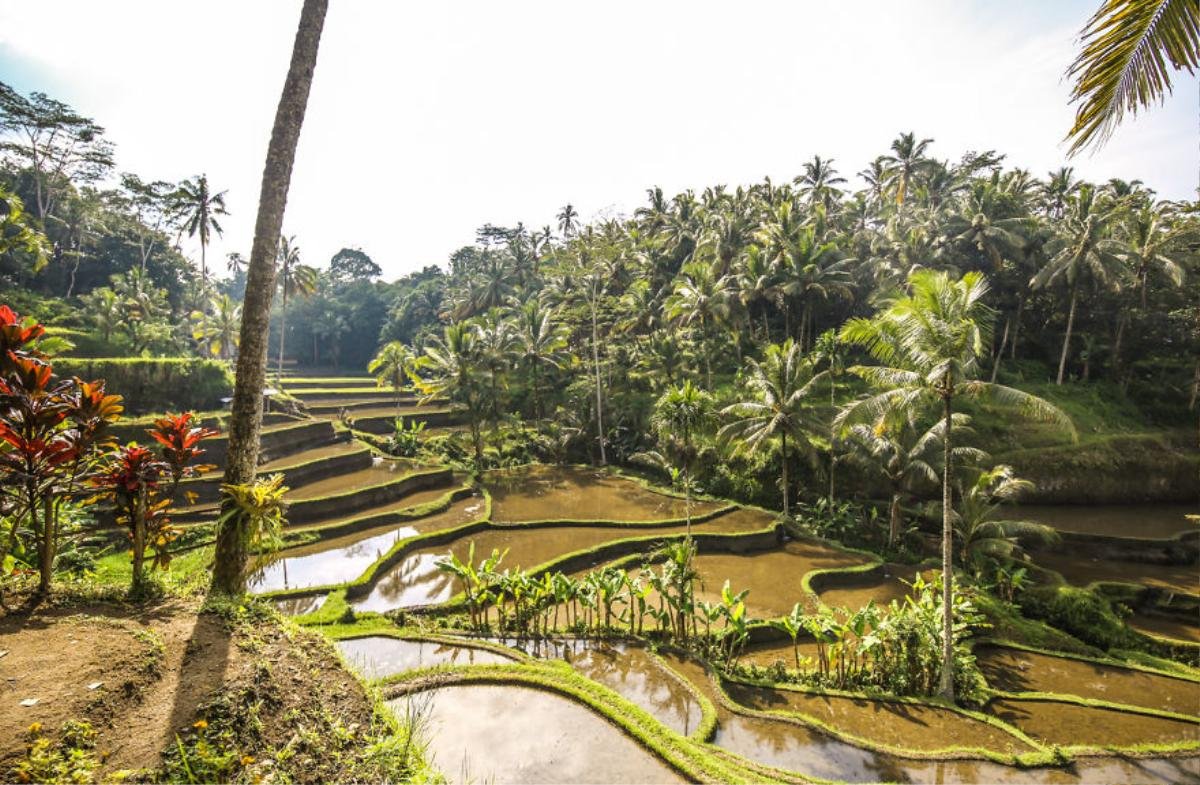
[(542, 493), (1082, 571), (892, 585), (894, 724), (1166, 626), (377, 656), (416, 579), (1140, 521), (342, 559), (628, 670), (804, 750), (378, 473), (1055, 722), (511, 734), (773, 577), (1013, 670)]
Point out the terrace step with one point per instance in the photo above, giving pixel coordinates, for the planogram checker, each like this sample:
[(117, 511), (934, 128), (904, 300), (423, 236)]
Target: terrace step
[(298, 468), (385, 423), (277, 441), (378, 401)]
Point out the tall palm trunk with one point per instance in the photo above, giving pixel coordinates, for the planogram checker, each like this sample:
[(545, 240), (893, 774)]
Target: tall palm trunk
[(229, 572), (894, 520), (596, 363), (1062, 360), (1000, 350), (1017, 325), (1122, 321), (783, 450), (947, 684)]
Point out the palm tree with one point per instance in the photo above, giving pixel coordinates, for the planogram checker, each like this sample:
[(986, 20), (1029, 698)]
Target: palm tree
[(198, 209), (981, 535), (678, 414), (1059, 187), (812, 270), (1081, 250), (904, 457), (454, 372), (783, 390), (818, 182), (542, 346), (1153, 243), (1129, 50), (568, 220), (931, 343), (495, 343), (233, 536), (700, 298), (391, 366), (235, 262), (295, 279), (218, 328), (755, 282), (907, 162)]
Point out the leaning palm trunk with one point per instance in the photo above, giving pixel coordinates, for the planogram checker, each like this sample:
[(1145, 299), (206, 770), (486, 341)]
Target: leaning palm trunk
[(229, 572), (282, 331), (1062, 360), (947, 685)]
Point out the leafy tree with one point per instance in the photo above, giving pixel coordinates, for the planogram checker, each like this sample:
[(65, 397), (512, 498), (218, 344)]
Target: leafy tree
[(678, 414), (351, 264), (217, 328), (392, 366), (453, 367), (542, 345), (985, 537), (930, 343), (295, 279)]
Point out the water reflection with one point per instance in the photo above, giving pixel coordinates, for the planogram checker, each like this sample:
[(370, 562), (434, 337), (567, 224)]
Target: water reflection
[(377, 656)]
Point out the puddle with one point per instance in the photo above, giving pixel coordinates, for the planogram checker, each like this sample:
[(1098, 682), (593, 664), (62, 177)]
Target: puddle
[(298, 606), (1143, 521), (1081, 572), (539, 493), (416, 580), (773, 577), (894, 724), (628, 670), (1166, 627), (378, 655), (511, 734), (1013, 670), (1068, 724)]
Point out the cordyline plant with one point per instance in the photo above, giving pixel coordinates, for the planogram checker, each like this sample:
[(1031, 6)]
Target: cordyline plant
[(51, 434), (143, 485)]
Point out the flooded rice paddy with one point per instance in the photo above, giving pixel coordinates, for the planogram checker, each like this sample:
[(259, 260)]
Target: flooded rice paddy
[(1083, 570), (1014, 670), (557, 493), (510, 734), (377, 656), (1166, 626), (1067, 724), (1139, 521)]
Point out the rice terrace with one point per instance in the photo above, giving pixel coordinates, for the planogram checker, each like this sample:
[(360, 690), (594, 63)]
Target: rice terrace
[(883, 467)]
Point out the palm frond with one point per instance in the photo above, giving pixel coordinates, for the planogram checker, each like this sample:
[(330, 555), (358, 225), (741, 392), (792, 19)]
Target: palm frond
[(1130, 48)]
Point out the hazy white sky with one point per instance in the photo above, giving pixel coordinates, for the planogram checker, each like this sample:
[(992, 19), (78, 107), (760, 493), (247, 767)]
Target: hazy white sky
[(428, 119)]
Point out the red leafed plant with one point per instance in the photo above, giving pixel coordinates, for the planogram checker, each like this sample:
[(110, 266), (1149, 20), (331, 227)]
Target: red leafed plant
[(143, 483), (51, 434)]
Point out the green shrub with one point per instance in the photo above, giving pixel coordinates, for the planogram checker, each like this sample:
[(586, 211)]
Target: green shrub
[(1081, 612), (155, 384)]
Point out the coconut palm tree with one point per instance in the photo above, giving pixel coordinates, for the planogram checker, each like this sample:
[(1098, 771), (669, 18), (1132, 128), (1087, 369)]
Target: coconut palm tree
[(1129, 49), (234, 533), (217, 329), (906, 163), (1083, 249), (782, 405), (568, 220), (818, 182), (451, 369), (982, 535), (1154, 244), (295, 279), (930, 344), (702, 299), (810, 271), (391, 366), (541, 345), (198, 209), (678, 414)]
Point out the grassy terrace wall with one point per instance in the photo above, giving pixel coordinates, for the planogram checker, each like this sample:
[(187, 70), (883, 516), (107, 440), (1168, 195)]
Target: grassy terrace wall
[(1183, 548), (342, 504), (207, 489), (152, 384)]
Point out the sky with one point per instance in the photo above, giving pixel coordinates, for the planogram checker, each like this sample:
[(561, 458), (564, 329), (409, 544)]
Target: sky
[(427, 120)]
